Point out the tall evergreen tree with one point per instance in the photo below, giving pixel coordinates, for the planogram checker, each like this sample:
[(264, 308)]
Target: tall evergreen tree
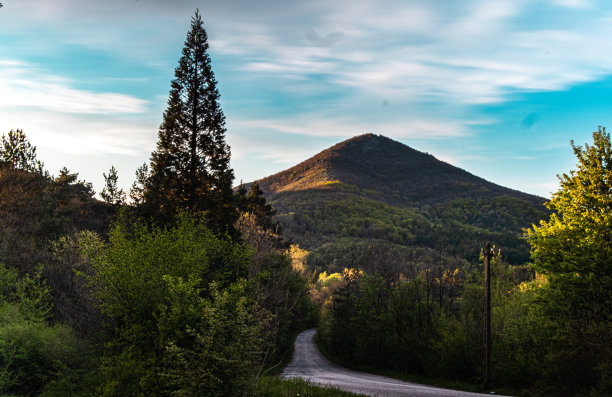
[(190, 167)]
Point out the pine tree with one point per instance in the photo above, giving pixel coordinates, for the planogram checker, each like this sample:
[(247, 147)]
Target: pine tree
[(190, 167), (111, 193), (138, 187), (257, 205), (18, 153)]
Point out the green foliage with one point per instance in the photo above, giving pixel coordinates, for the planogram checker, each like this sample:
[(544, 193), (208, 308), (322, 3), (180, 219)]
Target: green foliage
[(190, 167), (36, 208), (573, 250), (429, 321), (275, 387), (139, 185), (34, 354), (66, 272), (183, 318), (371, 189), (278, 279), (336, 223), (371, 322), (220, 348)]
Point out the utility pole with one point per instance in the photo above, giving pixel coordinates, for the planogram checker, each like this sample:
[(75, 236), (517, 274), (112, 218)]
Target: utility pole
[(488, 254)]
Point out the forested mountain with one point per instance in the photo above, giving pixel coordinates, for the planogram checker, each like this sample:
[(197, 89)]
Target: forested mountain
[(371, 190)]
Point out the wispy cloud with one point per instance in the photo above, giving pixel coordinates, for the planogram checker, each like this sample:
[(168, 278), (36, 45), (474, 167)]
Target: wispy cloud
[(22, 86), (82, 134), (471, 52), (345, 128)]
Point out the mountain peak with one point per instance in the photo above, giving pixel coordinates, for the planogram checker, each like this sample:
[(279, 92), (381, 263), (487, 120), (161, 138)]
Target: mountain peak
[(372, 188), (399, 173)]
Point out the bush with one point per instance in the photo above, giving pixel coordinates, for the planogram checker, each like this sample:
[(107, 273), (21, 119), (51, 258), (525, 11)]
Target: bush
[(34, 353), (185, 320)]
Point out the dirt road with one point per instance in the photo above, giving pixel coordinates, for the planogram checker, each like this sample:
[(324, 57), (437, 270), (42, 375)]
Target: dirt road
[(308, 363)]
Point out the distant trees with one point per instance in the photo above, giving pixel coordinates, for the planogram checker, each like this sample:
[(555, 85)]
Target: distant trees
[(190, 167)]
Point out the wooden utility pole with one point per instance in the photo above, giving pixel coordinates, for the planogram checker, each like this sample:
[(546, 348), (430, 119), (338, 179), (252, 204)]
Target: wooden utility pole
[(488, 254)]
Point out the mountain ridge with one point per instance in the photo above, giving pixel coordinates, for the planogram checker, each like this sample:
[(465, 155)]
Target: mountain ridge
[(370, 190), (337, 164)]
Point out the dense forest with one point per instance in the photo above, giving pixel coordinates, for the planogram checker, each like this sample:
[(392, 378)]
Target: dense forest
[(192, 287), (372, 191)]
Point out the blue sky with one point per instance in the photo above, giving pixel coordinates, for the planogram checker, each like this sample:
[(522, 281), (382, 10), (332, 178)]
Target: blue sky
[(496, 87)]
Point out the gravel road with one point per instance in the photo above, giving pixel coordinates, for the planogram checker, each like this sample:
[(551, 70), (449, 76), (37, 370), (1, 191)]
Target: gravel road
[(309, 364)]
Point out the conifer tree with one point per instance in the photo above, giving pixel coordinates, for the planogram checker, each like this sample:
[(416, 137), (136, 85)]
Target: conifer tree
[(18, 153), (190, 167), (138, 187), (111, 193), (257, 205)]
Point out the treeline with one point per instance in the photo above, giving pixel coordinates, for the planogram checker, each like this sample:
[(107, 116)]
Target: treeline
[(550, 329), (328, 221), (429, 320), (188, 289)]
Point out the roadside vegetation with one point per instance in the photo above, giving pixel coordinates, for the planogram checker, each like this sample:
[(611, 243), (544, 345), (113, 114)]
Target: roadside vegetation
[(551, 320), (275, 387)]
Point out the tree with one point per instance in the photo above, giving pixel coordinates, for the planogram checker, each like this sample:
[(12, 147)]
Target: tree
[(186, 321), (17, 152), (190, 167), (138, 187), (111, 193), (255, 203), (573, 250)]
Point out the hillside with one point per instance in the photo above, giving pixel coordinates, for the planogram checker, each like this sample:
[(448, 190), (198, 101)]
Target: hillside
[(371, 190)]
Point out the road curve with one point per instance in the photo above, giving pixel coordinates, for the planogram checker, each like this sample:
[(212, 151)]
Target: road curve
[(309, 364)]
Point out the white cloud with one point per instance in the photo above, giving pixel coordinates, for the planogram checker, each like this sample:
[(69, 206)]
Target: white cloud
[(319, 126), (82, 134), (470, 52), (22, 86), (574, 4)]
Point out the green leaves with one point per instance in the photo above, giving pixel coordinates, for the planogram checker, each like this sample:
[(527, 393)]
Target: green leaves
[(573, 250), (185, 319), (32, 351)]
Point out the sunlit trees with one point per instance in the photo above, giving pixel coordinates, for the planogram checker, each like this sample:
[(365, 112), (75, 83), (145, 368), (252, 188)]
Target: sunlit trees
[(573, 250), (190, 167)]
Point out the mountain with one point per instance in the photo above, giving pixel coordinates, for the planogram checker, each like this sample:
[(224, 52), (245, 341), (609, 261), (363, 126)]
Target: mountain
[(371, 190)]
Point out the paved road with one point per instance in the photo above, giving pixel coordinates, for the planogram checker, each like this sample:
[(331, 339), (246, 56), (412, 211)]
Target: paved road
[(309, 364)]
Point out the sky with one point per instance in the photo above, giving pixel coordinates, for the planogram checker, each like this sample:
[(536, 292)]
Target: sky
[(496, 87)]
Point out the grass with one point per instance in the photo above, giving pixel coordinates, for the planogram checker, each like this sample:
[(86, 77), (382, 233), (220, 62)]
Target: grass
[(276, 387)]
